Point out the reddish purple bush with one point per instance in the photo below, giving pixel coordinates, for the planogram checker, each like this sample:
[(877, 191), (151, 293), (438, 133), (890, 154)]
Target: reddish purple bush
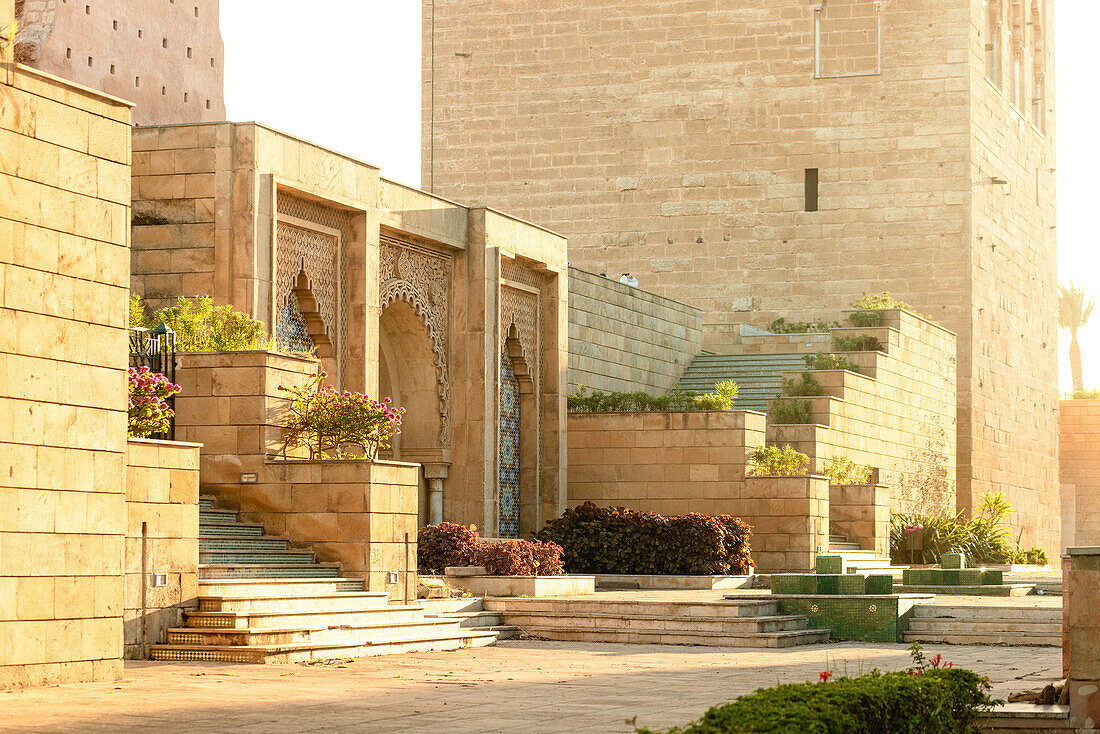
[(445, 544), (148, 408), (519, 558)]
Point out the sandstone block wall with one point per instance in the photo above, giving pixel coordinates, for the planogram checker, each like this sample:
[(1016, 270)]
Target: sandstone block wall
[(627, 339), (861, 513), (1080, 465), (790, 520), (897, 415), (64, 258), (162, 493), (167, 57), (670, 463)]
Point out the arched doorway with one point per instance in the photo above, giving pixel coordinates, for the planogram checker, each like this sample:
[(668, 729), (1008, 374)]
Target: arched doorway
[(407, 374)]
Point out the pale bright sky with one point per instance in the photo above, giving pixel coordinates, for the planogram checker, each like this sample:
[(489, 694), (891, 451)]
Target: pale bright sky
[(349, 78)]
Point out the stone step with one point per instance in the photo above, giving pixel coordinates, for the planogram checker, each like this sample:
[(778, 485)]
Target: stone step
[(244, 557), (988, 590), (206, 502), (219, 516), (267, 570), (293, 602), (651, 608), (307, 651), (845, 546), (326, 635), (665, 637), (302, 618), (940, 624), (262, 586), (483, 618), (983, 613), (230, 529), (985, 638), (236, 542), (689, 625)]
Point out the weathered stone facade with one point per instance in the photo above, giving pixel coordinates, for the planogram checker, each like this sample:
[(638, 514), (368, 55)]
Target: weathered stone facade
[(400, 293), (167, 57), (627, 339), (1080, 465), (682, 143), (64, 253)]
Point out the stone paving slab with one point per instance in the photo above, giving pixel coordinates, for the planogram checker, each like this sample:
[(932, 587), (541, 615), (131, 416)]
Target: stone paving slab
[(518, 685)]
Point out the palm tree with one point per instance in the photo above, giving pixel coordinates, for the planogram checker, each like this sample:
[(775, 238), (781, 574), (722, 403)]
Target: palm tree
[(1074, 310)]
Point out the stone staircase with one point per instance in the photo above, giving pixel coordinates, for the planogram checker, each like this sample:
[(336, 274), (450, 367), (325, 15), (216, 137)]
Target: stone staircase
[(729, 623), (986, 625), (261, 602), (857, 560), (758, 376)]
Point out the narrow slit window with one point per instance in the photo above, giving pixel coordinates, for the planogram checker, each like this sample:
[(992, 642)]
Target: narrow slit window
[(811, 189)]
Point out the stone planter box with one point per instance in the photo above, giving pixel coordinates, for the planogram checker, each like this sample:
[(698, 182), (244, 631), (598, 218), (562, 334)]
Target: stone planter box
[(536, 586), (627, 581)]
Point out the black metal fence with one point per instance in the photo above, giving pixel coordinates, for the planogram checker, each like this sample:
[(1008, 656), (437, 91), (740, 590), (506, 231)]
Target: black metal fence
[(156, 349)]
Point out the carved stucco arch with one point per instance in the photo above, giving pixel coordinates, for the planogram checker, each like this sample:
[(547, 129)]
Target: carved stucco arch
[(423, 280)]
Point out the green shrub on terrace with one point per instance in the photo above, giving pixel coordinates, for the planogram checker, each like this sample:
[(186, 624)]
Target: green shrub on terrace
[(823, 361), (858, 343), (1084, 395), (777, 461), (782, 326), (721, 398), (879, 301), (201, 326), (932, 698), (804, 386), (790, 411), (866, 319), (138, 317), (1035, 556), (842, 470)]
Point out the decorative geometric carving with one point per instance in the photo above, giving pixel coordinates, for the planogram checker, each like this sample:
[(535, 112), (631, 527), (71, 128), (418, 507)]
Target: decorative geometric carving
[(422, 278), (299, 250), (521, 309)]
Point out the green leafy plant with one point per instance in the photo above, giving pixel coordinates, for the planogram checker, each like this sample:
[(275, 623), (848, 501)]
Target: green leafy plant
[(823, 361), (859, 343), (334, 424), (621, 540), (805, 386), (790, 411), (866, 319), (782, 326), (933, 699), (721, 398), (983, 538), (879, 301), (842, 470), (1084, 395), (148, 409), (777, 461), (200, 326), (1034, 556), (138, 316)]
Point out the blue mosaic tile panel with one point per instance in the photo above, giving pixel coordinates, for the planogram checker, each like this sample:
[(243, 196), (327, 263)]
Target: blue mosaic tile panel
[(508, 460)]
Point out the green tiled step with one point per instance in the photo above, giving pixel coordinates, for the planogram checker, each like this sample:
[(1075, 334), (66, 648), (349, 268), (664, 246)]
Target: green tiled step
[(758, 376), (242, 543), (206, 502), (268, 571), (233, 530), (221, 516), (271, 557)]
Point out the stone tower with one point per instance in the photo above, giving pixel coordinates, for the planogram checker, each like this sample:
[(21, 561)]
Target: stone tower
[(781, 158), (166, 56)]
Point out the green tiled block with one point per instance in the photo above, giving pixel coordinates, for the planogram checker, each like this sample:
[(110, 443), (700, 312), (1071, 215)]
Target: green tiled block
[(786, 584), (830, 564), (992, 578), (935, 577), (920, 577), (970, 577), (851, 618), (950, 576), (852, 583), (828, 583), (952, 560), (879, 584)]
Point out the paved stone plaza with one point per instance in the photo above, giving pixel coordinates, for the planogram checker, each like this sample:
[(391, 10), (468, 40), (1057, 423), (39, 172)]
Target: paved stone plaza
[(520, 685)]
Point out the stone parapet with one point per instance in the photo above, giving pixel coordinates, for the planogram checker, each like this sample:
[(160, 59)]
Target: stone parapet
[(1082, 625), (861, 513), (1080, 471), (790, 521)]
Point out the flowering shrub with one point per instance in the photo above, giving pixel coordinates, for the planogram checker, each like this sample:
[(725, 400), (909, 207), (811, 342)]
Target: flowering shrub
[(519, 558), (621, 540), (443, 545), (148, 405), (331, 423)]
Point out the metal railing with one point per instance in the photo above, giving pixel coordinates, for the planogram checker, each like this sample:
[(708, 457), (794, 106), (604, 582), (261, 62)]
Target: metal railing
[(156, 349)]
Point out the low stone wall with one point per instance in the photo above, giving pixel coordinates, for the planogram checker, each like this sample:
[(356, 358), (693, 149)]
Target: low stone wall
[(671, 463), (1081, 632), (162, 525), (1080, 472), (627, 339), (790, 521), (861, 512)]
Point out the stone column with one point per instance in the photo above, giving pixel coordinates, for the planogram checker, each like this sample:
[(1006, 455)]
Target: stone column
[(435, 474), (1082, 619)]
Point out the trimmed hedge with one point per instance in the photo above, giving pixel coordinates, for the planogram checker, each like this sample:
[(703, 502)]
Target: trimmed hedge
[(625, 541), (933, 701), (447, 544)]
